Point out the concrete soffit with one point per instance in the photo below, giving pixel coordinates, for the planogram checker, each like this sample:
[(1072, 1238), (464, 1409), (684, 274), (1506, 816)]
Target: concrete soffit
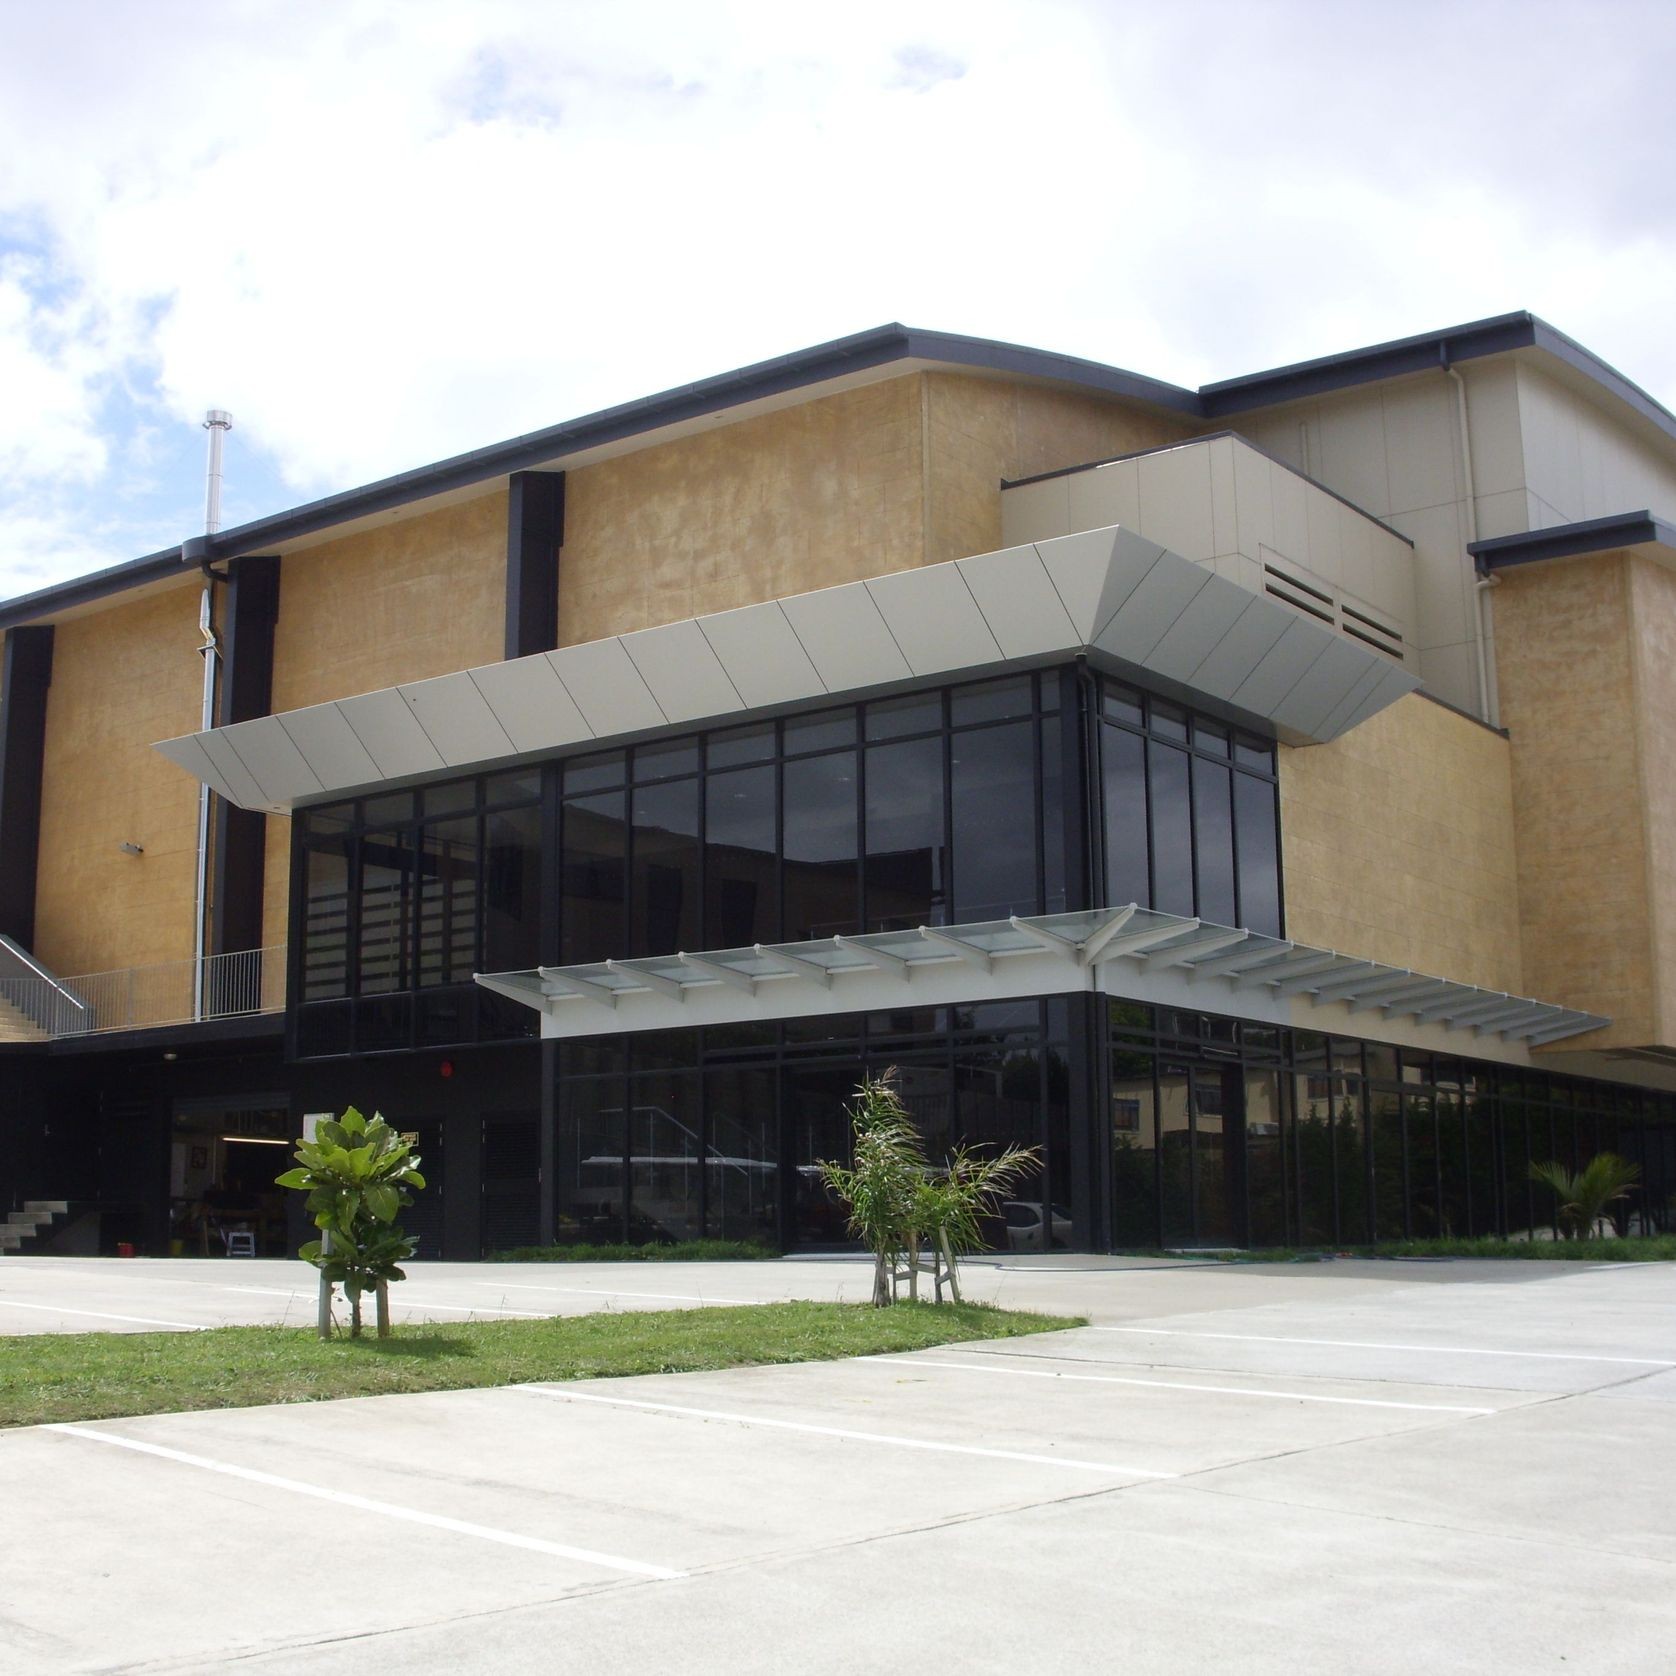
[(1167, 957), (1126, 603)]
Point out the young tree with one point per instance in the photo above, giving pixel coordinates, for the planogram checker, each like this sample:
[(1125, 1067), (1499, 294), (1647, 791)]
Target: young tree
[(358, 1175), (880, 1187), (951, 1203), (1583, 1197)]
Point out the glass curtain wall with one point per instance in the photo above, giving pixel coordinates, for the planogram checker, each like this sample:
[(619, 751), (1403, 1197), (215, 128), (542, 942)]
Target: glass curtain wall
[(1227, 1132), (721, 1132), (1190, 812), (400, 899)]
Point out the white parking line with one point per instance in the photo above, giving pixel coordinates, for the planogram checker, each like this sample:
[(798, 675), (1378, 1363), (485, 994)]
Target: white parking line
[(1359, 1344), (1180, 1385), (617, 1292), (102, 1315), (399, 1301), (412, 1515), (566, 1395)]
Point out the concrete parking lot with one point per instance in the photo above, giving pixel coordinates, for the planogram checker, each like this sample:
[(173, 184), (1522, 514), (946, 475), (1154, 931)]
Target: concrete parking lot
[(1351, 1467)]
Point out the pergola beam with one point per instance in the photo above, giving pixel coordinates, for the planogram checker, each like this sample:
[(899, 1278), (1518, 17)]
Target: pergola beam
[(796, 964), (730, 975), (980, 959)]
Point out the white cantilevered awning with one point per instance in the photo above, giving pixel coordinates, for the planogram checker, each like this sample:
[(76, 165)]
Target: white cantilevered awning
[(1126, 603), (1212, 967)]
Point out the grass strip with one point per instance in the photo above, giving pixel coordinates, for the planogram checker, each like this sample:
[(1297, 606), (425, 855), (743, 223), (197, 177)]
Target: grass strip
[(680, 1251), (1654, 1248), (94, 1376)]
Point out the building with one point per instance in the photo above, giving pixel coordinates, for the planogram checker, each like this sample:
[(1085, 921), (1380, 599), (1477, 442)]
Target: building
[(1259, 798)]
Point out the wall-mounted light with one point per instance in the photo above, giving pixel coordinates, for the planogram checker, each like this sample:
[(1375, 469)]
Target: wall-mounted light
[(131, 849)]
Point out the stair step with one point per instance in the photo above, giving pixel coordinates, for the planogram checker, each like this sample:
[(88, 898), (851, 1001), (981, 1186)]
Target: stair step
[(25, 1220), (59, 1207)]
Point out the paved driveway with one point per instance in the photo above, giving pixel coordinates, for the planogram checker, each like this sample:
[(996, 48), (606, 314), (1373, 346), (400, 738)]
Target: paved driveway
[(1344, 1469)]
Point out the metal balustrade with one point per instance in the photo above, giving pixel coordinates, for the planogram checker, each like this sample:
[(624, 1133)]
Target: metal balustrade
[(236, 985)]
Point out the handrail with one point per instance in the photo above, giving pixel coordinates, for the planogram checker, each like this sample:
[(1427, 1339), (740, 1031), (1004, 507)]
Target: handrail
[(241, 983), (21, 954)]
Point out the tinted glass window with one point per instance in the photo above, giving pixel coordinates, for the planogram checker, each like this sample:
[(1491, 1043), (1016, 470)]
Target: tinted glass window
[(592, 878), (1213, 839), (1124, 770), (448, 869), (1172, 830), (1257, 836), (663, 889), (511, 889), (741, 878), (993, 801), (905, 864), (821, 849)]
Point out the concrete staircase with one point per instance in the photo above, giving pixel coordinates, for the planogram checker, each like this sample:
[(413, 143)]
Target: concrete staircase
[(18, 1027), (27, 1224)]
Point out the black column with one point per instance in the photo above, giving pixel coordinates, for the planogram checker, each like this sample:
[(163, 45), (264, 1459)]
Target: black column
[(25, 675), (1079, 779), (534, 535), (240, 838)]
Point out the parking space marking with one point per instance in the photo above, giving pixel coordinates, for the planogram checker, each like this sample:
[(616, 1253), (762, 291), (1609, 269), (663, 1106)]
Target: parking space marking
[(1358, 1344), (400, 1302), (615, 1292), (1178, 1385), (887, 1438), (105, 1315), (389, 1510)]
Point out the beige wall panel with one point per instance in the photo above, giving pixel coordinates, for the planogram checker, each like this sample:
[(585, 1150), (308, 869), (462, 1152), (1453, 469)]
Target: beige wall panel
[(276, 880), (1398, 845), (826, 492), (1653, 650), (1563, 658), (121, 679), (419, 597), (979, 430), (1580, 463)]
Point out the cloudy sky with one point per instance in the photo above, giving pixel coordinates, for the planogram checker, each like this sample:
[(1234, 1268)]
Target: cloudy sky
[(385, 231)]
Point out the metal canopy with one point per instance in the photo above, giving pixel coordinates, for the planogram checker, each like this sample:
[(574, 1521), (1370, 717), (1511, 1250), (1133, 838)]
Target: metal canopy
[(1126, 603), (769, 981)]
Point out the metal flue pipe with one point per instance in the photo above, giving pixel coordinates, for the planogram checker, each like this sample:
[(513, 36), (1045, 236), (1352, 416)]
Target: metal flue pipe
[(217, 423)]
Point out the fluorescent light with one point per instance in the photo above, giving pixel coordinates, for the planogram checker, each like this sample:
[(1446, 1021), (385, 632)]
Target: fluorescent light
[(254, 1140)]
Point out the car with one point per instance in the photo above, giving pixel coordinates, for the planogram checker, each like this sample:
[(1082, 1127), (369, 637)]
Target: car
[(1024, 1225)]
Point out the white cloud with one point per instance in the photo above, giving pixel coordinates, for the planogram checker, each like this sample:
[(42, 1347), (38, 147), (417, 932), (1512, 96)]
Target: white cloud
[(381, 233)]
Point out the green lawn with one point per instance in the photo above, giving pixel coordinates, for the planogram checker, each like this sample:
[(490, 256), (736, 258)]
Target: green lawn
[(93, 1376)]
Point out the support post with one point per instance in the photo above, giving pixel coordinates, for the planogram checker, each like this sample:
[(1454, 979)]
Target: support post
[(25, 675), (534, 535), (239, 849)]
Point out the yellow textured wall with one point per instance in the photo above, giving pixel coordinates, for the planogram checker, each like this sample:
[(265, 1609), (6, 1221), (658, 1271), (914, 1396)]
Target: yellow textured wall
[(979, 430), (1653, 651), (120, 680), (1398, 845), (1566, 663), (418, 597), (822, 493)]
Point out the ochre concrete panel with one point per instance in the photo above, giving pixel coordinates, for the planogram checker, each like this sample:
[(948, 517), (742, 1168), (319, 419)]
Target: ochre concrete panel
[(1397, 844), (1653, 650), (120, 679), (418, 597), (276, 880), (980, 430), (1565, 659), (822, 493)]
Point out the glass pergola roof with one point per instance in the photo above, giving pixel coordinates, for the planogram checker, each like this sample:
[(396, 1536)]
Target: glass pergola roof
[(752, 981)]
